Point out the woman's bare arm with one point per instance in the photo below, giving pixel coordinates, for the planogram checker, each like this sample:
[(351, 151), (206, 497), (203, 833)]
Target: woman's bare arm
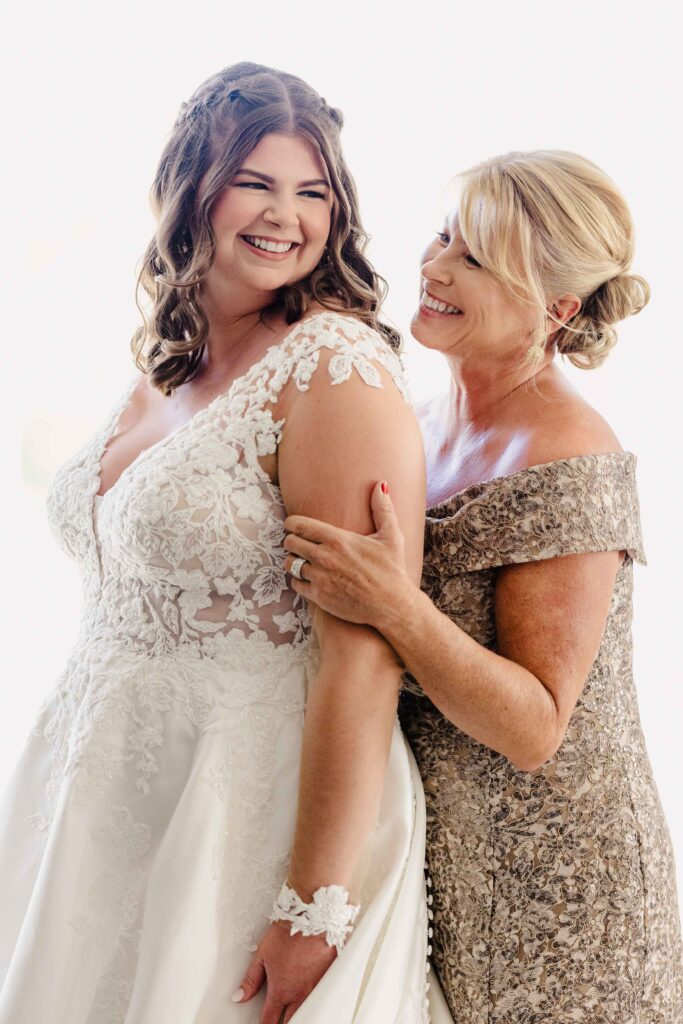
[(550, 618), (335, 441), (336, 438)]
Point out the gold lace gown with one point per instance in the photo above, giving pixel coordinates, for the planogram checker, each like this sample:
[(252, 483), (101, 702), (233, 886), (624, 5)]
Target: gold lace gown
[(554, 890)]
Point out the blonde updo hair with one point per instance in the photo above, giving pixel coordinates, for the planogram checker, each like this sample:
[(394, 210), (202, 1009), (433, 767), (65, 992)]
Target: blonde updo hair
[(550, 223)]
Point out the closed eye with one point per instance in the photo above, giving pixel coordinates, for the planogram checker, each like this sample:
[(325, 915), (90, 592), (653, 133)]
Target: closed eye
[(469, 258), (309, 193)]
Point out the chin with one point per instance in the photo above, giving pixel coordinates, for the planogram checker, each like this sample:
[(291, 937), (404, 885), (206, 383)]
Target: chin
[(267, 284), (273, 281), (424, 336)]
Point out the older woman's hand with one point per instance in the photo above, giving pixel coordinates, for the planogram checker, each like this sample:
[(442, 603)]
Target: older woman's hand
[(354, 577)]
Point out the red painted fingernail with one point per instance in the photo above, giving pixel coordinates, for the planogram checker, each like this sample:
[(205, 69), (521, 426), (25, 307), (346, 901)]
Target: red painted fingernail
[(385, 487)]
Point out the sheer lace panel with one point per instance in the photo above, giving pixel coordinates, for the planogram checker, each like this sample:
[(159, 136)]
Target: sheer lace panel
[(187, 549)]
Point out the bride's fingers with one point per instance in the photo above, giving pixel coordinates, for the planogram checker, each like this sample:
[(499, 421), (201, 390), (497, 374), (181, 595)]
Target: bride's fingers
[(272, 1010), (252, 981), (290, 1011)]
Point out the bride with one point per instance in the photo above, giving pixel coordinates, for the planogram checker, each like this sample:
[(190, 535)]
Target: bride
[(179, 842)]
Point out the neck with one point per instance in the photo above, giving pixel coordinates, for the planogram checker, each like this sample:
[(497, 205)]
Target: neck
[(479, 391), (234, 321)]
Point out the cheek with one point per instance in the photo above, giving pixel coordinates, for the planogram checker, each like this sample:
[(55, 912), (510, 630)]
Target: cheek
[(316, 229), (507, 320), (513, 314), (318, 225), (234, 211)]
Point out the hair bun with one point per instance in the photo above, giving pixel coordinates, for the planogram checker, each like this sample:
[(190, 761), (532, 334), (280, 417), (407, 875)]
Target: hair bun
[(618, 298), (589, 336)]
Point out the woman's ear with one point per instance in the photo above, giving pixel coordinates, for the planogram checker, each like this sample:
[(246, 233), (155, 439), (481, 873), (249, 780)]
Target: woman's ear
[(562, 309)]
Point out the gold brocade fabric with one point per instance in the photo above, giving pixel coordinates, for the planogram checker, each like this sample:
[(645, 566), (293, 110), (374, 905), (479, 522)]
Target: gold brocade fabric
[(554, 890)]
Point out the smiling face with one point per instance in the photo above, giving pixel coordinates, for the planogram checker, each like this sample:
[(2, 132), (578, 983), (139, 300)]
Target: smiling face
[(464, 310), (271, 223)]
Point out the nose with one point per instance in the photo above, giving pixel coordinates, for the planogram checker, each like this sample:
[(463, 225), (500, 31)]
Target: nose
[(281, 212), (436, 269)]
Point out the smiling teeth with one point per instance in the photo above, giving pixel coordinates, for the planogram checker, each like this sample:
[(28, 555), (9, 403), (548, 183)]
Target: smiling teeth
[(262, 243), (440, 307)]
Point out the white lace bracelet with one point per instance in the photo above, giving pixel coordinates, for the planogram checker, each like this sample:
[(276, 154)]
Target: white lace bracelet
[(330, 914)]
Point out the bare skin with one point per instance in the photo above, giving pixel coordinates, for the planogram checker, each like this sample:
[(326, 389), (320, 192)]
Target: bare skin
[(243, 281), (279, 195), (544, 418), (328, 473), (499, 417), (151, 416)]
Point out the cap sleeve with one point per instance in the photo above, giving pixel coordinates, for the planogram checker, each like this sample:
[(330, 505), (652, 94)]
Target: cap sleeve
[(571, 506), (343, 345)]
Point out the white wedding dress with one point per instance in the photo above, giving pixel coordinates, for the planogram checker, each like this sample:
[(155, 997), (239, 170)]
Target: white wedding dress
[(147, 826)]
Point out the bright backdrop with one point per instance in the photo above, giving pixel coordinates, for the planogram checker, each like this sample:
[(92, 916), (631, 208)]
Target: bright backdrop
[(427, 89)]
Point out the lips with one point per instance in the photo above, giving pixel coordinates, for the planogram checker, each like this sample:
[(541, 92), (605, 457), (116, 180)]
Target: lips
[(270, 249), (268, 244), (439, 306)]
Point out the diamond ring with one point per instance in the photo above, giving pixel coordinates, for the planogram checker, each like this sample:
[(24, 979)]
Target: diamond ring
[(297, 566)]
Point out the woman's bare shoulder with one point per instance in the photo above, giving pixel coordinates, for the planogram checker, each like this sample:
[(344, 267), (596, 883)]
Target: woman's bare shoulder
[(566, 426)]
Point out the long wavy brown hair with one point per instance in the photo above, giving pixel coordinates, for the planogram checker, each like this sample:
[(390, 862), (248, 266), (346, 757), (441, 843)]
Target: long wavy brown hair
[(216, 129)]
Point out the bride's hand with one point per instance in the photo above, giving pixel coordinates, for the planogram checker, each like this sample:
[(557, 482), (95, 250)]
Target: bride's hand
[(354, 577), (290, 965)]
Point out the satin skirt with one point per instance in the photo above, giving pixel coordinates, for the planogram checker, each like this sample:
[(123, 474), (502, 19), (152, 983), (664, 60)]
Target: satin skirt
[(130, 903)]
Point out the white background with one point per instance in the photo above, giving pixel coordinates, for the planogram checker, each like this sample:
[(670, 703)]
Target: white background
[(427, 90)]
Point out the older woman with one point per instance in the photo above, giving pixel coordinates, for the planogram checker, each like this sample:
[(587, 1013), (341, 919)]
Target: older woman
[(554, 888)]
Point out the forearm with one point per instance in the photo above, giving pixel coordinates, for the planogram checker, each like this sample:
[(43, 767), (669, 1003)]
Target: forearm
[(347, 737), (491, 698)]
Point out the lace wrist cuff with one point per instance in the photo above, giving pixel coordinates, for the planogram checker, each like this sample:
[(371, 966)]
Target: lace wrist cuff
[(330, 914)]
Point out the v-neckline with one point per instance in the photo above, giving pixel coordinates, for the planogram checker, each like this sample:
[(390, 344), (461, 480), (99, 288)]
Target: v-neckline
[(157, 444), (114, 423)]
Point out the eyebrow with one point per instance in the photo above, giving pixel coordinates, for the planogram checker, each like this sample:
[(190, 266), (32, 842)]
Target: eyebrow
[(456, 230), (271, 181)]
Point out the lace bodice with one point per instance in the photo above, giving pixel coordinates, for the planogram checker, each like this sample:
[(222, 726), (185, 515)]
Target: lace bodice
[(154, 811), (187, 549)]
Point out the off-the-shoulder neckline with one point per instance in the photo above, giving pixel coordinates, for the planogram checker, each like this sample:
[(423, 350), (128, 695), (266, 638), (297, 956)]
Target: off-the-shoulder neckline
[(625, 455)]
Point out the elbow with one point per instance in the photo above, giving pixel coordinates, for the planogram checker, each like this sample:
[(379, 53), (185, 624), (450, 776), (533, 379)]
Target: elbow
[(531, 761), (533, 752)]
